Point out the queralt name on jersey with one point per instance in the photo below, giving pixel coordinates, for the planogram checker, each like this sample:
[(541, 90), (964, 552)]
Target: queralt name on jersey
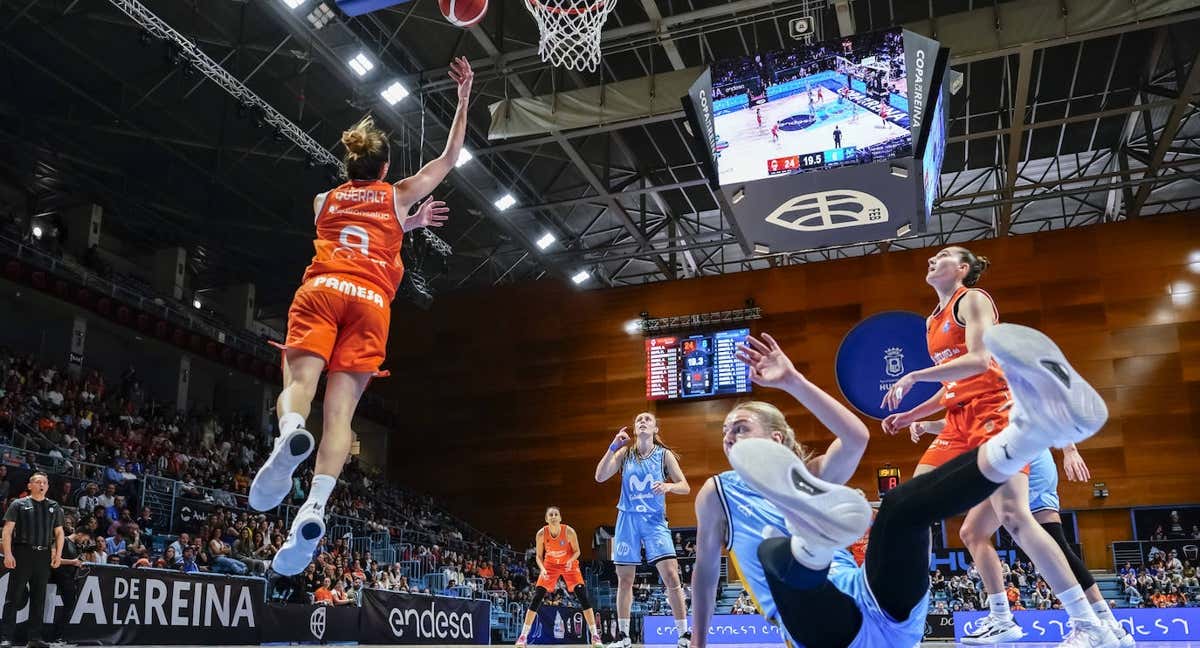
[(362, 195)]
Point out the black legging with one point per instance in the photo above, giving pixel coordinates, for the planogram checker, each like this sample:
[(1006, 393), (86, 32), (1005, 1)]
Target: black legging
[(817, 614), (1085, 578)]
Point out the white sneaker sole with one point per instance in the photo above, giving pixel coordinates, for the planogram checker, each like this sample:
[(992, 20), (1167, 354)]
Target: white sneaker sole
[(828, 514), (290, 452), (1046, 387), (294, 556), (1012, 633)]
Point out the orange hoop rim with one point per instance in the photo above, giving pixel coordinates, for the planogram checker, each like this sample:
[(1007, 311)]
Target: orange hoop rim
[(568, 12)]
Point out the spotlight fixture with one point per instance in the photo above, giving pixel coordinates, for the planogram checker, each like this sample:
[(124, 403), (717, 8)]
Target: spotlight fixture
[(633, 327), (580, 277), (546, 241), (320, 16), (196, 303), (394, 93), (361, 64), (37, 232), (504, 202), (464, 156), (293, 4)]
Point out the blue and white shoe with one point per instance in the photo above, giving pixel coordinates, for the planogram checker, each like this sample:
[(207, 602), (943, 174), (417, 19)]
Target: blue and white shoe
[(273, 481), (821, 513), (297, 551), (1051, 397)]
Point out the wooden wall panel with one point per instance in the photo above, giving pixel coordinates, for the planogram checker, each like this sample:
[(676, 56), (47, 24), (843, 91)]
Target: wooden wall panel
[(514, 393)]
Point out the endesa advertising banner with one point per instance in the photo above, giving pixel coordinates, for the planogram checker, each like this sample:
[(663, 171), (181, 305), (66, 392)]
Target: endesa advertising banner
[(725, 629), (1050, 626), (395, 618)]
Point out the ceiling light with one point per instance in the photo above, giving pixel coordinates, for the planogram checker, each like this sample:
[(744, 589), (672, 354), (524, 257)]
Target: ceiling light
[(394, 93), (37, 231), (505, 201), (195, 303), (464, 156), (292, 4), (546, 241), (320, 16), (580, 277), (361, 64), (633, 327)]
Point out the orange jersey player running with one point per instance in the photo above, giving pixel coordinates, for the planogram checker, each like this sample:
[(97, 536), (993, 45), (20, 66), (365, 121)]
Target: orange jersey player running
[(558, 557), (339, 316)]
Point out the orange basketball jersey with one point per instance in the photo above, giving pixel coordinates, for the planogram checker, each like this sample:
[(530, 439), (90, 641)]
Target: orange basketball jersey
[(359, 235), (557, 548), (946, 337)]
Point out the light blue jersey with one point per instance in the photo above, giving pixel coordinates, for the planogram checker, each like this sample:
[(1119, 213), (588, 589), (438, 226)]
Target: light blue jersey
[(1043, 483), (642, 513), (637, 475), (752, 518)]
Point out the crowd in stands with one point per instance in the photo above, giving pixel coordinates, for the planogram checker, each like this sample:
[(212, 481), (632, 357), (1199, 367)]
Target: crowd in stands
[(1025, 588), (107, 437), (1166, 582)]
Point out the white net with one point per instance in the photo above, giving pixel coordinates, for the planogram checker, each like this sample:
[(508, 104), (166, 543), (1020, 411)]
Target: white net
[(570, 31)]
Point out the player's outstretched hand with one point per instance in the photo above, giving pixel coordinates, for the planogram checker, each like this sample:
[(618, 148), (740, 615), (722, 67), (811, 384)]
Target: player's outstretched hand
[(769, 365), (431, 213), (463, 75), (893, 423), (1075, 467)]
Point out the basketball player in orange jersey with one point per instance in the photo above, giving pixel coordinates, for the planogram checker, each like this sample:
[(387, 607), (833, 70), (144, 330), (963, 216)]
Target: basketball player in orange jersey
[(978, 406), (340, 314), (558, 557)]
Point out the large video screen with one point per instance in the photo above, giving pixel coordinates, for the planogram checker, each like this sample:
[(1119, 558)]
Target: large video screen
[(693, 366), (935, 151), (813, 107)]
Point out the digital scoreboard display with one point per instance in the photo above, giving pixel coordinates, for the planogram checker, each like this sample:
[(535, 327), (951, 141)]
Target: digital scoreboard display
[(694, 366), (889, 478)]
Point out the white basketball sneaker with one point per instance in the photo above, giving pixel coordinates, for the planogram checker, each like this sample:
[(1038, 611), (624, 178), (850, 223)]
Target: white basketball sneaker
[(622, 641), (821, 513), (297, 550), (1050, 395), (1089, 635), (991, 630), (1122, 635), (274, 480)]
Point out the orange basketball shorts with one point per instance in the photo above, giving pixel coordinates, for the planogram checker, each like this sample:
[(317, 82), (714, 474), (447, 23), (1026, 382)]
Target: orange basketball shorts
[(342, 319), (549, 578), (968, 426)]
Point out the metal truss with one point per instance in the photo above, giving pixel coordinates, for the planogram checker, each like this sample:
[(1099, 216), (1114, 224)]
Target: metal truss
[(196, 57)]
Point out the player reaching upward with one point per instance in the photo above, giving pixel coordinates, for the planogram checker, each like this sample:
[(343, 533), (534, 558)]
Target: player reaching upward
[(339, 316), (980, 406), (645, 465), (558, 557), (977, 533), (801, 573)]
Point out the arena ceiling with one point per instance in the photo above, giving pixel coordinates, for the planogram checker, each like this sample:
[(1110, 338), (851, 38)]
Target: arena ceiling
[(1092, 124)]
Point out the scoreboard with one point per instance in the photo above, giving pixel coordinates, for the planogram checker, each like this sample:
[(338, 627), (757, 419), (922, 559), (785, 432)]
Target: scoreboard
[(889, 478), (832, 157), (698, 365)]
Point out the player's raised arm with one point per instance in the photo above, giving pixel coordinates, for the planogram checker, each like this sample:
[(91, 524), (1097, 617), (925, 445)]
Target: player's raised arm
[(610, 463), (423, 182)]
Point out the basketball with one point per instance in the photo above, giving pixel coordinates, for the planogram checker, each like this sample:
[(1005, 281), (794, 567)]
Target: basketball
[(463, 13)]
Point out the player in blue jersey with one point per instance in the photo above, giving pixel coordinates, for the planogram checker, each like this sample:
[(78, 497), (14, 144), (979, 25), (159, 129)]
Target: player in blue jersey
[(980, 527), (649, 470), (812, 585)]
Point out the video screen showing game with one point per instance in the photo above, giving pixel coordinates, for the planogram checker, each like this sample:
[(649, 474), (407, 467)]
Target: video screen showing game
[(813, 107)]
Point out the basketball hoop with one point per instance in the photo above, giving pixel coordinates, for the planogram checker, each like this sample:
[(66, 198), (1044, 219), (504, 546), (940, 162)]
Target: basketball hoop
[(570, 31)]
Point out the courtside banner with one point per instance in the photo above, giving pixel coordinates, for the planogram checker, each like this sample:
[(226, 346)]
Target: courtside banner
[(876, 353), (1145, 624), (119, 605), (288, 623), (557, 625), (396, 618), (939, 626), (724, 629)]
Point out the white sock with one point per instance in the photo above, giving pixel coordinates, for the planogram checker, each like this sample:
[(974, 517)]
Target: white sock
[(525, 629), (1104, 612), (322, 487), (1012, 449), (289, 422), (998, 604), (623, 626), (813, 556), (1075, 602), (681, 625)]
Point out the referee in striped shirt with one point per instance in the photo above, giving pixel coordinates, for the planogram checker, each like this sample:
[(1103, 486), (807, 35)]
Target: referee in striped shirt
[(32, 542)]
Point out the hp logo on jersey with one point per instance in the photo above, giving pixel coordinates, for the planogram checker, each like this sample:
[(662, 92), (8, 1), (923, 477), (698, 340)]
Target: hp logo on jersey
[(828, 210)]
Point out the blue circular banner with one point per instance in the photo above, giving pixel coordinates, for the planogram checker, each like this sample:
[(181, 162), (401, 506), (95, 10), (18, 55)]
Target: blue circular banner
[(876, 353)]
